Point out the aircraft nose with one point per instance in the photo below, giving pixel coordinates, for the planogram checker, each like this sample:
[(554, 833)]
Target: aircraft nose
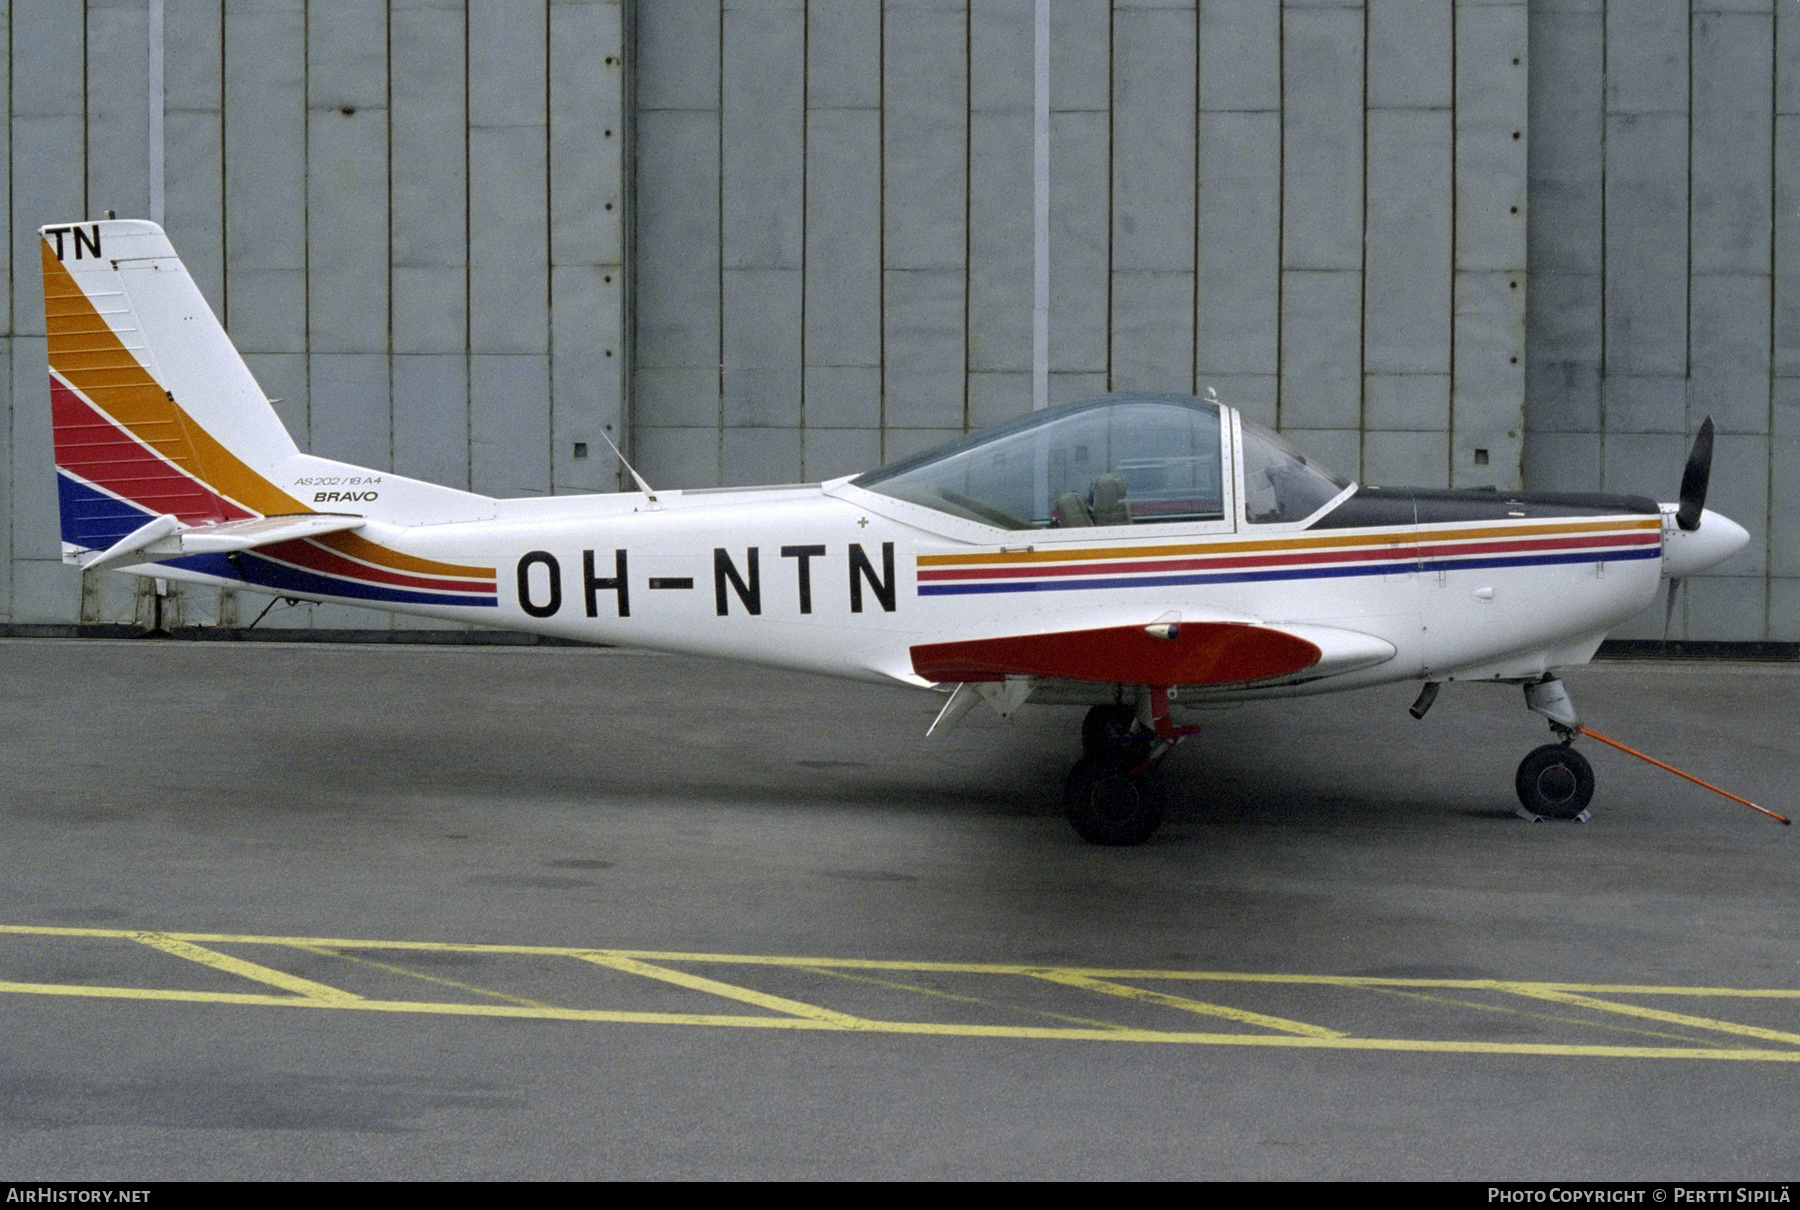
[(1686, 551)]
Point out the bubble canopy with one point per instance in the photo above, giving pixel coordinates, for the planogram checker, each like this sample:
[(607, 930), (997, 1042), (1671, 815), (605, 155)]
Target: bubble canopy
[(1122, 460)]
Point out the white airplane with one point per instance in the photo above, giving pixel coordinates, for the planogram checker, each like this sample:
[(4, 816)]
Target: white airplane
[(1127, 552)]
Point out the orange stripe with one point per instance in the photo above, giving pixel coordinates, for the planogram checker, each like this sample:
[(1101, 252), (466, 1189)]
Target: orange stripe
[(392, 560), (90, 357), (1399, 538)]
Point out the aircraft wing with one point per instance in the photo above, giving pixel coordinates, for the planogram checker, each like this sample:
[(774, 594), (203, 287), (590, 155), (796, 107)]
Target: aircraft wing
[(167, 538), (1165, 653)]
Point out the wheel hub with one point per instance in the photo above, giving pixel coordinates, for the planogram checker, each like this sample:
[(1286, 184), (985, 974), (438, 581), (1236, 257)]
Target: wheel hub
[(1557, 783), (1115, 798)]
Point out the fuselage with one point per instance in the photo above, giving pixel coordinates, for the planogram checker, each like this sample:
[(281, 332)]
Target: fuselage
[(838, 579)]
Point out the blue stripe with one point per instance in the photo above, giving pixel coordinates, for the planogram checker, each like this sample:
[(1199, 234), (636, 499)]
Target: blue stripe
[(1630, 554), (1297, 573), (96, 520), (279, 578), (92, 518)]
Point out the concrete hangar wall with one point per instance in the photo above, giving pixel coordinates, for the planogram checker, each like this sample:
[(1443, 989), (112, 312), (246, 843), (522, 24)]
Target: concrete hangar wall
[(1436, 241)]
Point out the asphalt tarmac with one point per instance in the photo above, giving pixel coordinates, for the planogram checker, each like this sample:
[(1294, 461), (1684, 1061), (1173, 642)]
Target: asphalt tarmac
[(348, 912)]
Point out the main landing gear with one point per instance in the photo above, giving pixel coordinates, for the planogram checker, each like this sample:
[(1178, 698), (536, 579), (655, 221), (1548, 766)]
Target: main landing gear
[(1554, 781), (1114, 794)]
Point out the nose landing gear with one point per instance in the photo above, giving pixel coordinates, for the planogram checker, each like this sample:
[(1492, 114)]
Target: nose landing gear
[(1554, 781)]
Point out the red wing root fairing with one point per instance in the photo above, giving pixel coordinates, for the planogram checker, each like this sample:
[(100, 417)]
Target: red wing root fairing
[(1173, 653)]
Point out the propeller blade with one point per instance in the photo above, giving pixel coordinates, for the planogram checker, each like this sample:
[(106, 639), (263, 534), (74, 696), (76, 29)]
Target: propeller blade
[(1669, 610), (1695, 478)]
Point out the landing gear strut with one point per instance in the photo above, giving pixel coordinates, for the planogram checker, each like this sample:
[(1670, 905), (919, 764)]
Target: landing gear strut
[(1114, 794), (1112, 733)]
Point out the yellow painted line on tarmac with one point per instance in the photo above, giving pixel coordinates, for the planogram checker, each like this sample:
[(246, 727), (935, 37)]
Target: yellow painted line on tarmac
[(928, 1028), (938, 993), (1243, 1016), (1508, 1010), (1656, 1014), (779, 1012), (1133, 973), (258, 999), (901, 964), (429, 1007), (714, 987), (247, 970), (439, 980)]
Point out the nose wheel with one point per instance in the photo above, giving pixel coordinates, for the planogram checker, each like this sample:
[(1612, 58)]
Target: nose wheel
[(1555, 782)]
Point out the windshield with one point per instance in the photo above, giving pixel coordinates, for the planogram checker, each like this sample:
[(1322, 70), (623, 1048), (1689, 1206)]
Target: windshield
[(1281, 483), (1127, 460)]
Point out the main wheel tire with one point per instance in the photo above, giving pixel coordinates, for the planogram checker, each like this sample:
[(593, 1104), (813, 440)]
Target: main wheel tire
[(1555, 781), (1109, 805), (1110, 733)]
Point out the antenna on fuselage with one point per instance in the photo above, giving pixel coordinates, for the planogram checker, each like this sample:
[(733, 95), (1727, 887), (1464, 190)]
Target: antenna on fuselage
[(645, 487)]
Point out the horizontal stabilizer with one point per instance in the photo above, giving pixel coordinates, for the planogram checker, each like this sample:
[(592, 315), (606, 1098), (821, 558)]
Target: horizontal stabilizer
[(166, 538)]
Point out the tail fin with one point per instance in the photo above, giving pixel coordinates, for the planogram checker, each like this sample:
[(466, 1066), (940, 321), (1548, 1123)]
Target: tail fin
[(153, 410), (166, 448)]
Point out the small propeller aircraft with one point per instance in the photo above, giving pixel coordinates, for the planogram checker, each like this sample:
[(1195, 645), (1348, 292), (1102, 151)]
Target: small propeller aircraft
[(1127, 553)]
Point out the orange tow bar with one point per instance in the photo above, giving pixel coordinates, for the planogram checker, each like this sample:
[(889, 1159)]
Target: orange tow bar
[(1678, 773)]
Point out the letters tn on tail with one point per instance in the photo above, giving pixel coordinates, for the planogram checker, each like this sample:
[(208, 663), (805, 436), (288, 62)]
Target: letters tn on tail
[(168, 453)]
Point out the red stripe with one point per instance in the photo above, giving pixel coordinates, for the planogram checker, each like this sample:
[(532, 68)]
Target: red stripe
[(90, 445), (1385, 554), (303, 553), (1635, 538)]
